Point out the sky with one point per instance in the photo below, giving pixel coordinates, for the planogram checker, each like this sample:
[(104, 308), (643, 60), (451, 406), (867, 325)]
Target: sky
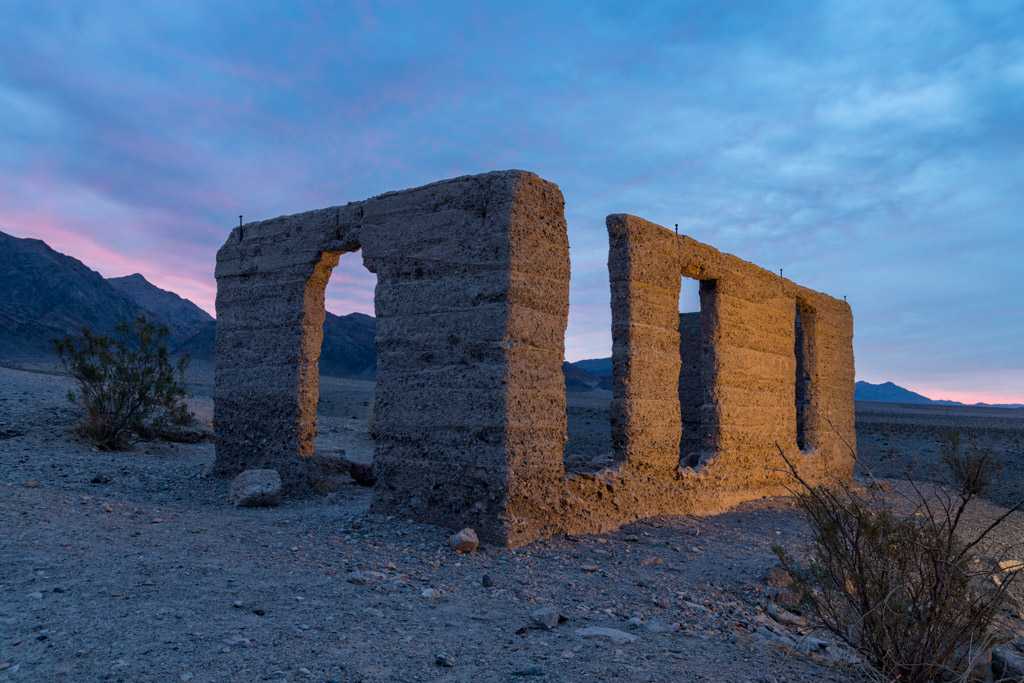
[(873, 150)]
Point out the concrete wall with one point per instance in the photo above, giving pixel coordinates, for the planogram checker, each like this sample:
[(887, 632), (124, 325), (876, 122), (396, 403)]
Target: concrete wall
[(747, 367), (472, 304)]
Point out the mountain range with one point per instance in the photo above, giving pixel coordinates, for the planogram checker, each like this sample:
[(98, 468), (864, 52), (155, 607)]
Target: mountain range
[(48, 294)]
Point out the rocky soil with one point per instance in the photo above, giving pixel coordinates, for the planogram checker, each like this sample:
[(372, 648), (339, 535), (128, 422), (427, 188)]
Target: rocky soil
[(134, 567), (892, 438)]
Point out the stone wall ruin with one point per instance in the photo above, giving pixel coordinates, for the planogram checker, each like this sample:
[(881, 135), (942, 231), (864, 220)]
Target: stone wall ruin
[(472, 304)]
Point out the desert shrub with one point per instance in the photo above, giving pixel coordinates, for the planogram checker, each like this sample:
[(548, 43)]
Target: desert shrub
[(126, 382), (902, 580)]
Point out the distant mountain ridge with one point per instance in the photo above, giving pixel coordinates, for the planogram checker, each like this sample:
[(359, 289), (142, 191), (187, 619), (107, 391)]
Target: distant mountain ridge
[(182, 317), (47, 295), (583, 375), (348, 350)]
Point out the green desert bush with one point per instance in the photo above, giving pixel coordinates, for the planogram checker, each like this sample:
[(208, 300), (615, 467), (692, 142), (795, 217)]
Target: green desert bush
[(127, 382), (900, 577)]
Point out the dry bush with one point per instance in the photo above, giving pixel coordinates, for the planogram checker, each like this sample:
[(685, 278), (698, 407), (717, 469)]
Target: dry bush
[(126, 383), (910, 592)]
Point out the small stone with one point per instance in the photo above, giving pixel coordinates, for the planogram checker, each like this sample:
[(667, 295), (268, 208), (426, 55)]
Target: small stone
[(362, 473), (464, 541), (259, 612), (256, 488), (32, 484), (487, 581), (810, 644), (444, 660), (658, 626), (532, 670), (186, 676), (101, 479), (238, 604), (430, 593), (361, 578), (635, 622), (779, 578), (663, 603), (1008, 661), (545, 618), (36, 595), (1011, 566), (613, 634), (784, 616), (590, 568), (107, 507)]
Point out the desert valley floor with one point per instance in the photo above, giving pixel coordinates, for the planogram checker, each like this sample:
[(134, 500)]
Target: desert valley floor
[(133, 567)]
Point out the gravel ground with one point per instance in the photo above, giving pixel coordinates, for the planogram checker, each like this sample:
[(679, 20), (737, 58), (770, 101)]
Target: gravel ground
[(891, 438), (133, 567)]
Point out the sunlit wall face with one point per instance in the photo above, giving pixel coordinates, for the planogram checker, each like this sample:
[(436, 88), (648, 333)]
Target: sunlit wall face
[(870, 150)]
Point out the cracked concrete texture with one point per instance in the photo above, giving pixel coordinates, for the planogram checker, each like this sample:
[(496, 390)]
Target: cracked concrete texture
[(472, 306)]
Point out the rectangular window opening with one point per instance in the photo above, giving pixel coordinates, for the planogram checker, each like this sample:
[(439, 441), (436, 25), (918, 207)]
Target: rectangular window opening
[(696, 371), (803, 346)]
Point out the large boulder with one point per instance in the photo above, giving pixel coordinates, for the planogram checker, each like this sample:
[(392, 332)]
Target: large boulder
[(256, 488)]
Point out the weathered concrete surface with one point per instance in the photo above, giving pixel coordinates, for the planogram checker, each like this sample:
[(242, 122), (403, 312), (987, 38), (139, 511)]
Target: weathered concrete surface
[(472, 306), (471, 303), (743, 359)]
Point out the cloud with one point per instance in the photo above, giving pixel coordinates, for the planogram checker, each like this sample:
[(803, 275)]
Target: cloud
[(870, 149)]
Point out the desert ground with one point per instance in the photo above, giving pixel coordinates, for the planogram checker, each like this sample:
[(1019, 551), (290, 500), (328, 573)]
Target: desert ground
[(132, 566)]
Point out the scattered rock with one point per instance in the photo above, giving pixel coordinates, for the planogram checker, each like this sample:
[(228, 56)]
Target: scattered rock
[(361, 578), (778, 577), (774, 637), (464, 541), (1008, 661), (36, 595), (100, 479), (238, 641), (32, 484), (785, 617), (783, 589), (362, 473), (487, 581), (430, 593), (256, 488), (546, 618), (532, 670), (444, 660), (659, 626), (613, 634)]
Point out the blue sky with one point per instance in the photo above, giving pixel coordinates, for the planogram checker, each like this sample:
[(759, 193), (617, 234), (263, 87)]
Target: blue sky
[(872, 150)]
